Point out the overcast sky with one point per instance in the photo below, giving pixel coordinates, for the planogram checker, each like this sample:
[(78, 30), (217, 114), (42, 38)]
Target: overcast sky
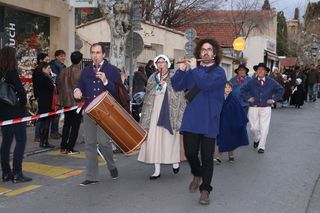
[(288, 6)]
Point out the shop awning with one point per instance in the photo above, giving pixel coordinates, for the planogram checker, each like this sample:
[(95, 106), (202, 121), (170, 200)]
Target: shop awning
[(271, 55)]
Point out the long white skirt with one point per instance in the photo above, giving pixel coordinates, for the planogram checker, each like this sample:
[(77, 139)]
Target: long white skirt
[(160, 146)]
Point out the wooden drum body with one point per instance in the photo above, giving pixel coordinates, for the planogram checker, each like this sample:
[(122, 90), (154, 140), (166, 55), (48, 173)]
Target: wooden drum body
[(116, 122)]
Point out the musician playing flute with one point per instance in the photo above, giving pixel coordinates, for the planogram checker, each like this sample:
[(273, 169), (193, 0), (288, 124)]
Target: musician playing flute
[(200, 123), (95, 79), (161, 116)]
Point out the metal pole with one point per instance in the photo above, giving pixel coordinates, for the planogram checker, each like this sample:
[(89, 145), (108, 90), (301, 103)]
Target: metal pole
[(131, 68)]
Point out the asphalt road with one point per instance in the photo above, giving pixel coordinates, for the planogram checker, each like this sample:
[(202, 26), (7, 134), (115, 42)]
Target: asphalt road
[(283, 180)]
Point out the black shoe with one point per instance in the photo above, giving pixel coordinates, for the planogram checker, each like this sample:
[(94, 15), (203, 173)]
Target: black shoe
[(114, 173), (55, 135), (88, 182), (20, 179), (154, 177), (261, 151), (255, 144), (47, 145), (7, 177), (176, 171), (231, 159)]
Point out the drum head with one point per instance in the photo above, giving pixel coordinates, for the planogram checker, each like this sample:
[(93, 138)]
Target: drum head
[(95, 102)]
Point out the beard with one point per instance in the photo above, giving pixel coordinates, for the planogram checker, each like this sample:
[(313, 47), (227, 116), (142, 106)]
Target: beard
[(206, 59)]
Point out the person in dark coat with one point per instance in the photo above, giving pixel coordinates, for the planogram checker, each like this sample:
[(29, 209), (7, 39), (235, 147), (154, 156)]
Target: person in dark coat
[(233, 125), (297, 97), (40, 58), (140, 80), (44, 86), (9, 72)]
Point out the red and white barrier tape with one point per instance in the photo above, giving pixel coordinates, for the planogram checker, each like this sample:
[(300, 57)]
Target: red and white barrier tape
[(30, 118)]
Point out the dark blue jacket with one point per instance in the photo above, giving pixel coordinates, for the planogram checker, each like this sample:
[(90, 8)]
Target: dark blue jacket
[(91, 86), (270, 90), (237, 87), (202, 114), (233, 125), (56, 69)]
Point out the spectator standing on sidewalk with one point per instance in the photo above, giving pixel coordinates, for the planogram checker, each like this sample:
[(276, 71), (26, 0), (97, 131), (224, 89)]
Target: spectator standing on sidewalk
[(44, 88), (40, 58), (68, 81), (95, 79), (56, 66), (313, 77), (201, 118), (9, 72), (149, 68), (261, 92)]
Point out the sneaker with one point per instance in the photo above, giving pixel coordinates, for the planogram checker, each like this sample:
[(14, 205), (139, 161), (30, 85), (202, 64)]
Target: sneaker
[(72, 152), (114, 173), (88, 182)]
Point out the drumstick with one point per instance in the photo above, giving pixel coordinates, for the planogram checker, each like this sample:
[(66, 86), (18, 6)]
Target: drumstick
[(186, 60)]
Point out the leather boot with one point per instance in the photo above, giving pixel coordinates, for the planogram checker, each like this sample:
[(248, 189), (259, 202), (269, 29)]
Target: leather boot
[(195, 183), (204, 198)]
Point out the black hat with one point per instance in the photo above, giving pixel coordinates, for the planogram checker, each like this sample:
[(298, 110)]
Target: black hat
[(241, 66), (261, 65)]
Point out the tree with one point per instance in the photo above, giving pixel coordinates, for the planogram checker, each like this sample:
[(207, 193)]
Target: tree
[(266, 5), (282, 48), (117, 16), (171, 13), (246, 17)]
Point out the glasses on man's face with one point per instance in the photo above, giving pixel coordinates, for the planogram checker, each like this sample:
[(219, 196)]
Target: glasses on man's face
[(209, 50)]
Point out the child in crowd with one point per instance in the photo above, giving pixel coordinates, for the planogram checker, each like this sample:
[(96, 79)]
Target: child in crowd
[(233, 125), (287, 90)]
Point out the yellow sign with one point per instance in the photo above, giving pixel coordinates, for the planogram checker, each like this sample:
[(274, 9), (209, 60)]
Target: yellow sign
[(239, 44)]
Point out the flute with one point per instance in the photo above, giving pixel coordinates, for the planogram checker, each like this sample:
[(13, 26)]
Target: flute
[(188, 60)]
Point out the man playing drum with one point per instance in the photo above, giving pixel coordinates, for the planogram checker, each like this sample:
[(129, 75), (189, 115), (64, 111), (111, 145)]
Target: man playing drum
[(95, 79)]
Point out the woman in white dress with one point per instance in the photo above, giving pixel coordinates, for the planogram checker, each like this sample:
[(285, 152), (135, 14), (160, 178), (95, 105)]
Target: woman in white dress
[(161, 116)]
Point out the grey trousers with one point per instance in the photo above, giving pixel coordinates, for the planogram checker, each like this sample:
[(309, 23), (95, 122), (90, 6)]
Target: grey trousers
[(95, 135)]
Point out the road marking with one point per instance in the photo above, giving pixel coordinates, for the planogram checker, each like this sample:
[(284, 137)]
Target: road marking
[(82, 155), (44, 169), (4, 190), (21, 190), (70, 174)]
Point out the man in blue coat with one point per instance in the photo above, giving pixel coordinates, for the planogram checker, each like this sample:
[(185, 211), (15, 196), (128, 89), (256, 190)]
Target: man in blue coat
[(200, 123), (261, 92), (95, 79)]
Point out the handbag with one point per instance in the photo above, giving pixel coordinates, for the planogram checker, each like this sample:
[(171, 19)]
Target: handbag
[(7, 93), (189, 96)]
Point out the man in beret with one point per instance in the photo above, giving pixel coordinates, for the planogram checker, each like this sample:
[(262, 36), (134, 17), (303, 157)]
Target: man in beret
[(260, 92)]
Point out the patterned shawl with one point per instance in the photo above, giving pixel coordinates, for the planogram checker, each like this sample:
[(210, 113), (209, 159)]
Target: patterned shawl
[(176, 102)]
